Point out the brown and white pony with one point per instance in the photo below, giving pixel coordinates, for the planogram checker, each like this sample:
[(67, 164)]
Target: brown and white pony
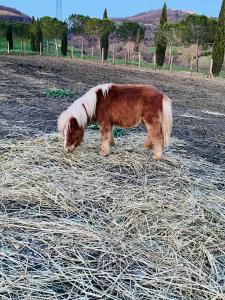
[(123, 105)]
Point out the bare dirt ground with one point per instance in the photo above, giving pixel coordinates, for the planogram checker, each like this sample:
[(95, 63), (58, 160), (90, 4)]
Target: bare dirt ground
[(80, 226)]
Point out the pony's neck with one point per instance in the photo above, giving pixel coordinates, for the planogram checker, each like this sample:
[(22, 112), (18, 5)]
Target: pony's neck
[(88, 118)]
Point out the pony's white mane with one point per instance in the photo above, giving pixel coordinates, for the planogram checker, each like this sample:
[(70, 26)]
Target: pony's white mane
[(77, 110)]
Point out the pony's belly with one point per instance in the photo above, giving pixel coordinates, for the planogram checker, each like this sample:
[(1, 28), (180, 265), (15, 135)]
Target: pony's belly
[(127, 123)]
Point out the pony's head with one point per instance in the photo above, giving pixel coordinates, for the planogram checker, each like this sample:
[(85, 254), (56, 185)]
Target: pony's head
[(74, 119), (72, 132)]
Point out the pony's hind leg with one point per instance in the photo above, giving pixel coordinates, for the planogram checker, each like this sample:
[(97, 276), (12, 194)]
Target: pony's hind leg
[(155, 139), (106, 138), (148, 141)]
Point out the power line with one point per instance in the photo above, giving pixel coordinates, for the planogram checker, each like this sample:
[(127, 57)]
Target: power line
[(59, 9)]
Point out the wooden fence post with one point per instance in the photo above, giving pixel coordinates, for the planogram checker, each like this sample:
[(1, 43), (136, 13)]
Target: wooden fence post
[(113, 54), (56, 48), (154, 60), (72, 54), (21, 45), (210, 74), (40, 48), (125, 56), (170, 56), (48, 47), (191, 66), (171, 64), (197, 56), (92, 53), (102, 54), (82, 47), (139, 59), (8, 47)]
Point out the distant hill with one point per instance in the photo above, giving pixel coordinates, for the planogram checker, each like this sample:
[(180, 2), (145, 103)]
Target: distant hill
[(8, 14), (150, 19)]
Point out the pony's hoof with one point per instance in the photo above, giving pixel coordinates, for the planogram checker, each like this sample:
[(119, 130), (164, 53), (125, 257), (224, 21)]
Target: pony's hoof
[(104, 153), (156, 157)]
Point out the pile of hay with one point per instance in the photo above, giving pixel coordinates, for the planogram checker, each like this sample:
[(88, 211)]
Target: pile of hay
[(79, 226)]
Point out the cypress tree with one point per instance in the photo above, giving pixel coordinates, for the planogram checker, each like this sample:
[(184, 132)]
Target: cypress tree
[(219, 43), (105, 14), (64, 42), (32, 35), (105, 37), (38, 36), (161, 42), (9, 36)]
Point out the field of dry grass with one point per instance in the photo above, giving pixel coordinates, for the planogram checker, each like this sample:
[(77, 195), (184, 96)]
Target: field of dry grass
[(79, 226)]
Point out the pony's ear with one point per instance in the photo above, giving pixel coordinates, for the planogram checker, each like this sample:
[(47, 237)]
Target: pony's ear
[(73, 125)]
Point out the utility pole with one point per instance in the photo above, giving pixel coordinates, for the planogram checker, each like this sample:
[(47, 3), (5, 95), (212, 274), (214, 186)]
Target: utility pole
[(59, 9)]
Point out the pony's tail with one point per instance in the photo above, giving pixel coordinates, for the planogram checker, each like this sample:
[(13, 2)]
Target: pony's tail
[(167, 120)]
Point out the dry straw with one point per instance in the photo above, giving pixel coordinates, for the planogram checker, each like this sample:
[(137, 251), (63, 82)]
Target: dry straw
[(79, 226)]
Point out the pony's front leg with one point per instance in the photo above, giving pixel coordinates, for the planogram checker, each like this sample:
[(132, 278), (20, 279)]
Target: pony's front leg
[(106, 138), (112, 141)]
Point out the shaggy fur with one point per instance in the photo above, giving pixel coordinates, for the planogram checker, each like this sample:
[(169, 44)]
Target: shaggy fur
[(121, 105), (83, 109)]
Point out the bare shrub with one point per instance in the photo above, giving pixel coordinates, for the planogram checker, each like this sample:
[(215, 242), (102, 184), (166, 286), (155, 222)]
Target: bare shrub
[(204, 62), (188, 53)]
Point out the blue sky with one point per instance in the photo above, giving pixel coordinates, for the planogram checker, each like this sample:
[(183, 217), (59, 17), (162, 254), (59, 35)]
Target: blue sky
[(116, 8)]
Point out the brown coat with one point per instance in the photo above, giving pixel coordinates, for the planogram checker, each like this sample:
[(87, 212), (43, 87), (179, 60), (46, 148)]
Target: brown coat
[(124, 106)]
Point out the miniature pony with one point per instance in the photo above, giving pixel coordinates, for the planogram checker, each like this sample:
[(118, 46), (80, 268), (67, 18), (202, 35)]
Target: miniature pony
[(123, 105)]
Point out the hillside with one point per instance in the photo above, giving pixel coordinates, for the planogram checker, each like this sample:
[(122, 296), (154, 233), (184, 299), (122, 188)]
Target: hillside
[(8, 14), (150, 19)]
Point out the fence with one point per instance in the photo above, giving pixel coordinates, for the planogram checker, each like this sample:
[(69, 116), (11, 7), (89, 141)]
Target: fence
[(125, 57)]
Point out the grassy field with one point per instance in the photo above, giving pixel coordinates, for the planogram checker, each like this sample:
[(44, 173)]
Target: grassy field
[(204, 61)]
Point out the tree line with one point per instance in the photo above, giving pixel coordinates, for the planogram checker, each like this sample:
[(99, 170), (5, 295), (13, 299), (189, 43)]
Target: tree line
[(193, 30), (49, 29), (197, 30), (46, 27), (101, 29)]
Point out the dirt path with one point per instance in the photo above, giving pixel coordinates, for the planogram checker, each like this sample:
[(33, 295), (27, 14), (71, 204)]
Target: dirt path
[(199, 104)]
